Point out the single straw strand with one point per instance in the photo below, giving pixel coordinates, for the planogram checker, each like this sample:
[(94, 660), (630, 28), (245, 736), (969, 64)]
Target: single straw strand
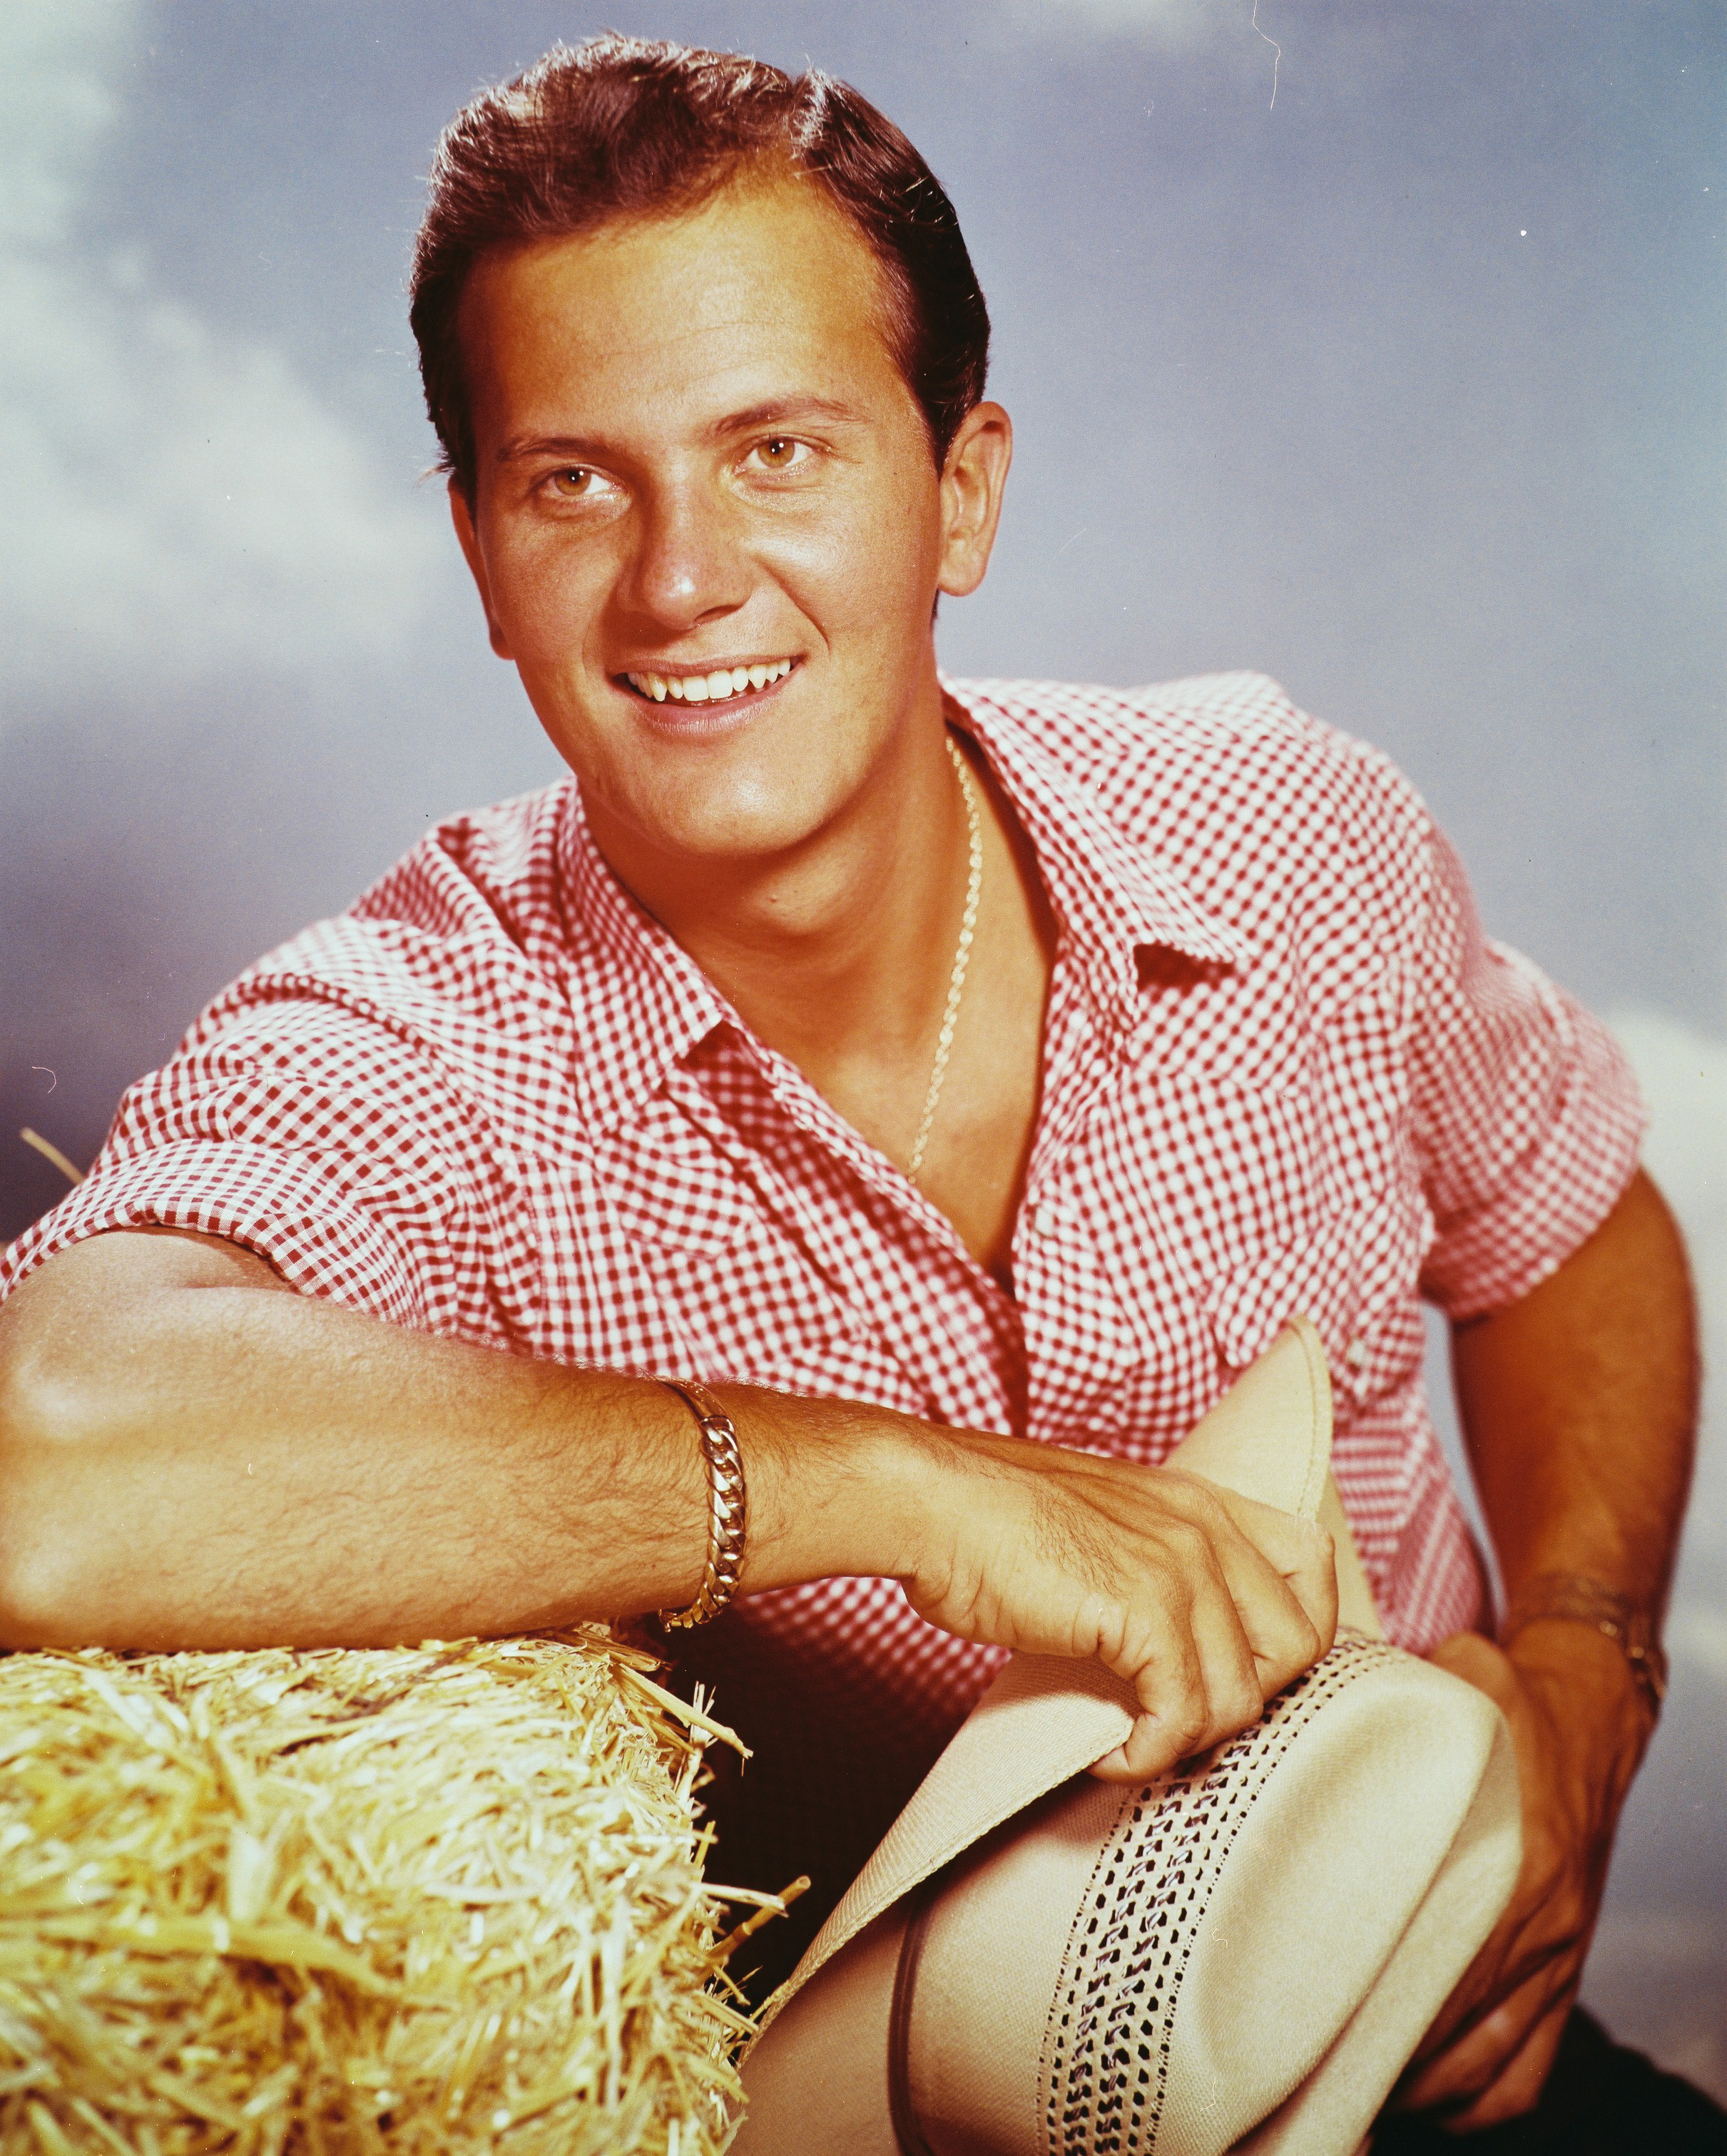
[(51, 1152), (751, 1925)]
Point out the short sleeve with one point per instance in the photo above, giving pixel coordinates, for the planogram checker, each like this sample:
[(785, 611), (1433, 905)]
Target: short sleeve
[(1527, 1116), (307, 1133)]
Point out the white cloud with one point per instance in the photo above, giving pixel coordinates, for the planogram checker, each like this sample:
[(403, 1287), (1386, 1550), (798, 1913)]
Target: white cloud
[(177, 502), (1683, 1075), (51, 111)]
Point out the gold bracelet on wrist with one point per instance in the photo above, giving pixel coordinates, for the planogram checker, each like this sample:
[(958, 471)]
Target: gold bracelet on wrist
[(727, 1518), (1574, 1598)]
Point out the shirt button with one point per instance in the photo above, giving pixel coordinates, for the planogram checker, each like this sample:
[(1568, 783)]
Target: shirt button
[(1356, 1354), (1042, 1218)]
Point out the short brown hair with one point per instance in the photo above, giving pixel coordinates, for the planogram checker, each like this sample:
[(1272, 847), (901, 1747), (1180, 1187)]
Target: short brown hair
[(618, 127)]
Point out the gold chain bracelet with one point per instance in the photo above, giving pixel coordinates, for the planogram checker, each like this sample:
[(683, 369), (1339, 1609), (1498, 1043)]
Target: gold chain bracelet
[(727, 1517)]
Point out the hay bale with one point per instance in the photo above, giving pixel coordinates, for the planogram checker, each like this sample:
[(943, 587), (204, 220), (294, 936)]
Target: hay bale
[(437, 1899)]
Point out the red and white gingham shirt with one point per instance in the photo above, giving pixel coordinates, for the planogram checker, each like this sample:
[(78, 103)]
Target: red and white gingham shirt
[(1282, 1071)]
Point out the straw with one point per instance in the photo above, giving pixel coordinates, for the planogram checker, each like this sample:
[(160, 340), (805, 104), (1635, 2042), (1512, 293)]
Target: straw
[(436, 1899), (49, 1151)]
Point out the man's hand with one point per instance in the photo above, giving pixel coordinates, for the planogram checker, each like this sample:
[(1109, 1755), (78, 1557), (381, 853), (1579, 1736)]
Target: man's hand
[(1206, 1603), (1580, 1726)]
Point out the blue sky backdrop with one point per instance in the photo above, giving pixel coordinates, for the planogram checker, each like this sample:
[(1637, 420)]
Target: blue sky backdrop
[(1377, 346)]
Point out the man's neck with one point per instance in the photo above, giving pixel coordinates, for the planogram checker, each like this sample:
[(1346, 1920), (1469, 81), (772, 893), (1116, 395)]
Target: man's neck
[(840, 957), (829, 951)]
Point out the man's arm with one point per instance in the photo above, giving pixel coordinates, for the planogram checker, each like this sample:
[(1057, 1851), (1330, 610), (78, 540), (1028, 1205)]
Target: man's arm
[(193, 1455), (1579, 1406)]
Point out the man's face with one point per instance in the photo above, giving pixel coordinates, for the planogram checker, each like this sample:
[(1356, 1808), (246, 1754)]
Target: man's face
[(696, 460)]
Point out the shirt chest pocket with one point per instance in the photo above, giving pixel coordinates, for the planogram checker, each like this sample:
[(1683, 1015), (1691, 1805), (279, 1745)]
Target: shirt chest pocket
[(1354, 1276)]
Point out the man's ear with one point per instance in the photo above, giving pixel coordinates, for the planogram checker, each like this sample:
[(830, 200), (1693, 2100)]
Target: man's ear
[(462, 516), (974, 481)]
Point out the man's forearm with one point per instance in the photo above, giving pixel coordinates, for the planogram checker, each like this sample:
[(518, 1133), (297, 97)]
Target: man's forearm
[(1579, 1406), (192, 1455), (191, 1459)]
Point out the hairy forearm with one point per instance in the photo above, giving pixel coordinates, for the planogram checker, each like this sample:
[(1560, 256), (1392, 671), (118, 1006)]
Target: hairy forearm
[(194, 1456), (1579, 1406)]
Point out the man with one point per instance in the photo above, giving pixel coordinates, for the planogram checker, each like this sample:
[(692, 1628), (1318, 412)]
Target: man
[(952, 1078)]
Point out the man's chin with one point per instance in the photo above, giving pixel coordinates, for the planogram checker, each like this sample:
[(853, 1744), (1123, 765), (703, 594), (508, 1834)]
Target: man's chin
[(704, 823)]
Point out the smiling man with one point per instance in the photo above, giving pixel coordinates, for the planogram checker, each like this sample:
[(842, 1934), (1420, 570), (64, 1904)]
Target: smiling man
[(964, 1082)]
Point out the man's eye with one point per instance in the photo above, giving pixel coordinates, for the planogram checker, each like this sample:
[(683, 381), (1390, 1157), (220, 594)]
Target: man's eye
[(576, 483), (779, 452)]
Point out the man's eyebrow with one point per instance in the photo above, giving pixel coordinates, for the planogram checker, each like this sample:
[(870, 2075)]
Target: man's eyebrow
[(775, 411), (522, 447), (785, 411)]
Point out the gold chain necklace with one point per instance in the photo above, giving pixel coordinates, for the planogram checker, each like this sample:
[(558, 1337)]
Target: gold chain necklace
[(961, 957)]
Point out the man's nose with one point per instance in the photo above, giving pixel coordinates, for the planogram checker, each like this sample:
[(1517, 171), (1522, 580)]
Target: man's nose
[(689, 564)]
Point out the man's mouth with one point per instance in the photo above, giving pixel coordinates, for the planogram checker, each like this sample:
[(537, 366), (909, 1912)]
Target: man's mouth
[(713, 688)]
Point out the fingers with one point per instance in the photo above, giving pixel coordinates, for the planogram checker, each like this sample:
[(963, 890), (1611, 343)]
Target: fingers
[(1281, 1575), (1479, 1662), (1205, 1603), (1495, 2070), (1195, 1678), (1241, 1637), (1175, 1713), (1301, 1553), (1518, 2087), (1488, 2052)]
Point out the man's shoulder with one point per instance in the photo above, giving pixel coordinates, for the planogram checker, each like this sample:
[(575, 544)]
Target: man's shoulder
[(1243, 722), (488, 871), (1230, 706), (1263, 813), (462, 921), (1213, 750)]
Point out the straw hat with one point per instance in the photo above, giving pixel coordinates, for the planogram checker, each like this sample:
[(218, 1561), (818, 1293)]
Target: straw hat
[(1037, 1964)]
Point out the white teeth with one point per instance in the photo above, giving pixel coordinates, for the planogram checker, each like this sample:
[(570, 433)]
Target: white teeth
[(708, 688)]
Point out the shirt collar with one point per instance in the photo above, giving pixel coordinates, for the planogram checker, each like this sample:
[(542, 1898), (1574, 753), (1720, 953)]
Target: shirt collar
[(642, 1004), (1112, 897)]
